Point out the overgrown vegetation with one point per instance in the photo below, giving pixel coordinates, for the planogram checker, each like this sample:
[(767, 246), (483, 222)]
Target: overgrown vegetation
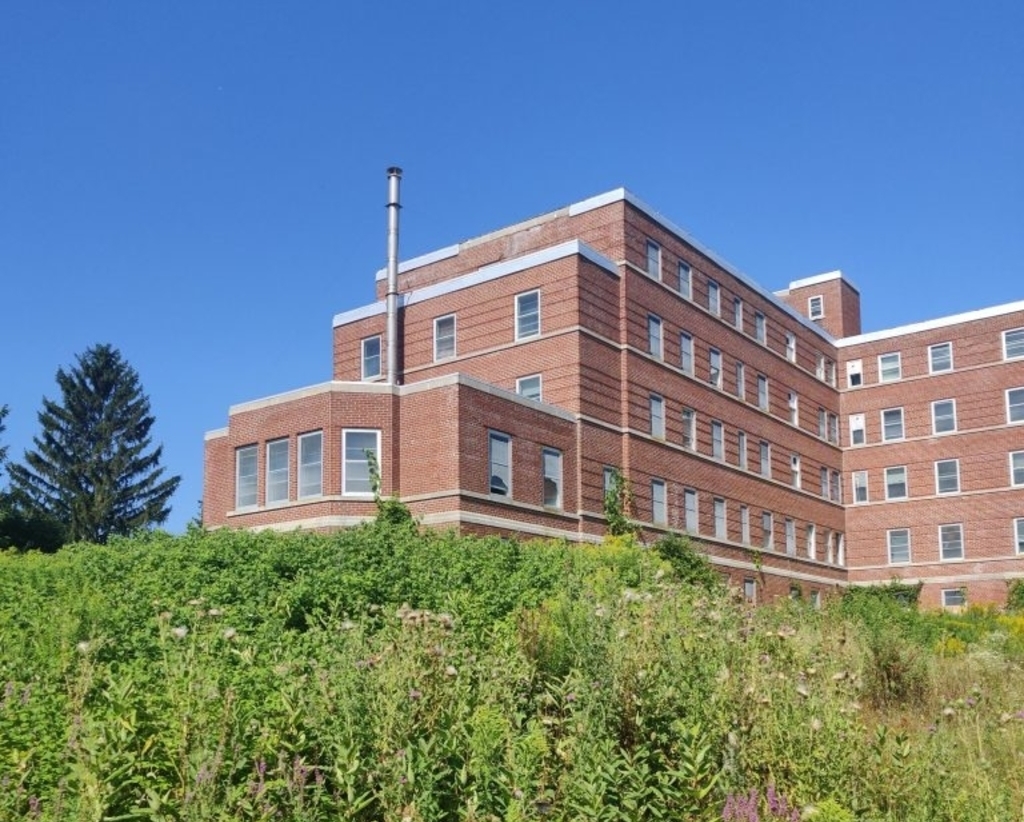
[(383, 674)]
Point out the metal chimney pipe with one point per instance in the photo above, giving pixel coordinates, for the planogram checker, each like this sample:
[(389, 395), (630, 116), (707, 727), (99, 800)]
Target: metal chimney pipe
[(394, 178)]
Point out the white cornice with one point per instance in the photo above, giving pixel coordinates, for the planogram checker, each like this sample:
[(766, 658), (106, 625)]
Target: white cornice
[(931, 325)]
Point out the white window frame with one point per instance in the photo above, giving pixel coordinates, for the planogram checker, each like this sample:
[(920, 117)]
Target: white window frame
[(956, 476), (1017, 343), (750, 590), (689, 418), (691, 511), (715, 367), (524, 317), (1015, 480), (761, 328), (551, 477), (819, 368), (1018, 535), (721, 519), (349, 463), (741, 381), (884, 367), (714, 298), (745, 524), (794, 408), (816, 306), (959, 530), (833, 429), (764, 452), (737, 312), (656, 406), (823, 474), (858, 426), (717, 440), (278, 478), (768, 530), (854, 373), (524, 386), (790, 537), (659, 503), (685, 273), (444, 341), (835, 486), (860, 483), (686, 352), (885, 431), (936, 418), (791, 346), (953, 598), (247, 484), (934, 354), (655, 337), (889, 539), (653, 259), (1015, 407), (497, 469), (812, 541), (794, 470), (889, 483), (741, 447), (763, 395), (822, 423), (307, 489), (367, 358)]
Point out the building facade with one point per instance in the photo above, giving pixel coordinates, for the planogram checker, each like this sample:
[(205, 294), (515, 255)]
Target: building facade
[(536, 361)]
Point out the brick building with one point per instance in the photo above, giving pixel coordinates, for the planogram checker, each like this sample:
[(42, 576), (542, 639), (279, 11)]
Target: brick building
[(530, 363)]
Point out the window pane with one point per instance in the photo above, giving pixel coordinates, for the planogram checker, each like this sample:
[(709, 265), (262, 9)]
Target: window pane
[(371, 358), (552, 460), (951, 541), (947, 477), (499, 466), (1019, 534), (654, 345), (899, 545), (1013, 343), (1017, 468), (888, 367), (658, 512), (529, 387), (944, 416), (358, 446), (940, 357), (692, 522), (310, 465), (685, 281), (1015, 405), (654, 259), (715, 367), (860, 486), (689, 426), (245, 477), (444, 337), (528, 315), (686, 352), (953, 598), (657, 405), (277, 471), (714, 303), (892, 424), (895, 483)]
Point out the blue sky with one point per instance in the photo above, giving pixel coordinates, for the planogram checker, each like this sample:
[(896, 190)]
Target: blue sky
[(202, 184)]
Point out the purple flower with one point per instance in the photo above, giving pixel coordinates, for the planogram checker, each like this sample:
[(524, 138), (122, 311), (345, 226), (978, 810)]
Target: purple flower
[(415, 694)]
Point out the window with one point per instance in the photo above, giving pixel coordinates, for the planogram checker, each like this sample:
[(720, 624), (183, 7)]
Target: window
[(444, 337), (659, 514), (1017, 468), (691, 519), (857, 435), (311, 464), (944, 416), (277, 471), (654, 341), (527, 315), (657, 406), (794, 467), (790, 537), (953, 598), (860, 487), (767, 538), (840, 549), (898, 540), (790, 347), (529, 387), (951, 541), (608, 481), (835, 488), (499, 464), (245, 477), (686, 353), (720, 522), (741, 445), (654, 259), (689, 429), (819, 370), (830, 372), (829, 547), (762, 392), (889, 369), (1015, 405), (745, 524), (822, 423), (714, 298), (816, 307), (1013, 344), (947, 477), (812, 541), (833, 429), (760, 328), (1018, 535), (794, 408), (766, 459), (816, 599), (371, 358), (824, 482), (896, 482), (551, 462), (892, 424), (741, 381), (854, 374), (737, 312), (717, 440), (750, 589), (361, 449), (940, 357), (715, 367), (685, 281)]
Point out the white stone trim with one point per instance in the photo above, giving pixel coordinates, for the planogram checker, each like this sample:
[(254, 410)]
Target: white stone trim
[(818, 279), (931, 325), (215, 434), (490, 521), (423, 259)]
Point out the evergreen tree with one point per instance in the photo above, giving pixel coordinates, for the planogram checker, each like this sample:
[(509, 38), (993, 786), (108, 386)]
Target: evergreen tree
[(93, 468), (3, 448)]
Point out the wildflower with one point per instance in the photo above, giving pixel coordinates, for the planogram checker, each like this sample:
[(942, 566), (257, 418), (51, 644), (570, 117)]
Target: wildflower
[(215, 612), (450, 671), (230, 633), (802, 690), (517, 793), (570, 697), (347, 625), (197, 601), (933, 729), (971, 702), (948, 711), (164, 616), (415, 694), (82, 647), (815, 724), (179, 632)]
